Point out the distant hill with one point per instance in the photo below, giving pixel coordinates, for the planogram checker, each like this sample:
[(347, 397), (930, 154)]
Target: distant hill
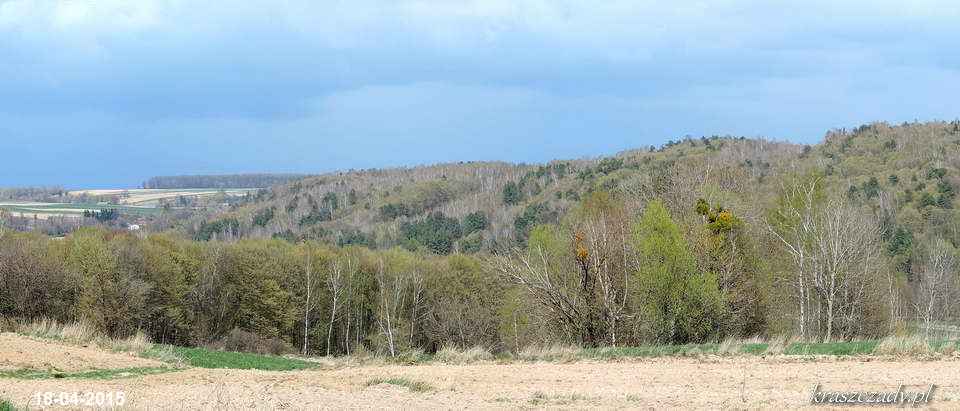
[(221, 181), (909, 172)]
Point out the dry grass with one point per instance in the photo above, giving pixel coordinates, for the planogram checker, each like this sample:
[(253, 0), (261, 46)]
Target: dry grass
[(453, 355), (412, 385), (730, 346), (82, 333), (551, 353), (909, 345), (778, 345)]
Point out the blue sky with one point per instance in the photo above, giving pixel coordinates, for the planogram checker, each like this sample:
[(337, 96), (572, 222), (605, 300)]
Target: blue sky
[(110, 92)]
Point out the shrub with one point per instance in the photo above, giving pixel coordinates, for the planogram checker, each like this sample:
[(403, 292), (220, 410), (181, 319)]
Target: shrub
[(473, 222), (263, 217), (437, 232), (245, 341), (223, 226), (609, 165), (512, 194)]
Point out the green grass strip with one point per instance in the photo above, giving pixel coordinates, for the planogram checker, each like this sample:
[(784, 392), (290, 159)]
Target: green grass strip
[(413, 385), (6, 405), (106, 374), (205, 358)]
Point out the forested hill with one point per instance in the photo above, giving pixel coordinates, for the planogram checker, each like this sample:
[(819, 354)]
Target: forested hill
[(905, 174), (696, 241), (220, 181)]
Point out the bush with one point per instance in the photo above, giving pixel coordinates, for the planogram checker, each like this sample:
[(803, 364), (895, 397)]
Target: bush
[(393, 211), (437, 232), (512, 194), (474, 222), (263, 217), (245, 341), (316, 216), (609, 165), (224, 226)]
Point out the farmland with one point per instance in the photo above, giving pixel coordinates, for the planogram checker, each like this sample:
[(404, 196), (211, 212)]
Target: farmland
[(205, 379), (135, 202), (152, 197)]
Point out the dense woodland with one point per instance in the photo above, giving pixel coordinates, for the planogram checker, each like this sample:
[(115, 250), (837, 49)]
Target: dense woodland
[(220, 181), (697, 240)]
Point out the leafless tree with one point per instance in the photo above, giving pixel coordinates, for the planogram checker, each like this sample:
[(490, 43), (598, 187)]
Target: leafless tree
[(335, 286), (936, 284), (799, 216), (391, 293)]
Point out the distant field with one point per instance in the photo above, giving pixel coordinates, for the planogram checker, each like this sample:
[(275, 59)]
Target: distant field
[(151, 197), (46, 210), (142, 202)]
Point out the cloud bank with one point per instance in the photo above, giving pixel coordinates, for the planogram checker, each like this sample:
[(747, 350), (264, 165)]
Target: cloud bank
[(110, 92)]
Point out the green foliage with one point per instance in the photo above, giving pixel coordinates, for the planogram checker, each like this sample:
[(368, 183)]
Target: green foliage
[(205, 358), (286, 235), (355, 237), (871, 188), (473, 222), (532, 215), (330, 201), (702, 207), (472, 243), (437, 232), (609, 165), (512, 194), (315, 216), (686, 306), (263, 217), (229, 227), (393, 211), (104, 215), (936, 173)]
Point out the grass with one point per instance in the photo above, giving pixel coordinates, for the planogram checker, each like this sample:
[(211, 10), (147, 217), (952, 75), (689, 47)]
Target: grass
[(81, 333), (107, 374), (206, 358), (412, 385), (910, 345), (6, 405)]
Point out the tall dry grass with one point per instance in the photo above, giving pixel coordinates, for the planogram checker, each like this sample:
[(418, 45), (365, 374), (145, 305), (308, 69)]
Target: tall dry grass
[(453, 355), (905, 345), (81, 333)]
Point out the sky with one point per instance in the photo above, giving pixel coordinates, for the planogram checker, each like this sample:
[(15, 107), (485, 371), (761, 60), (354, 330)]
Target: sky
[(106, 93)]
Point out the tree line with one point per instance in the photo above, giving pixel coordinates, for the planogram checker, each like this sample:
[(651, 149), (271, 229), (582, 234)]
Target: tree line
[(221, 181), (613, 271)]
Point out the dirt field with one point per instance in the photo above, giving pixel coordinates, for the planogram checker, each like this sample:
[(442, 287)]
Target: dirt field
[(144, 196), (665, 383), (17, 352)]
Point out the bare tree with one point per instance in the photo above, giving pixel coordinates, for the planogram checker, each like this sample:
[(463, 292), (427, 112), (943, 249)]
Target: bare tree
[(936, 284), (836, 256), (391, 293), (794, 226), (845, 260), (335, 285), (307, 305), (536, 274)]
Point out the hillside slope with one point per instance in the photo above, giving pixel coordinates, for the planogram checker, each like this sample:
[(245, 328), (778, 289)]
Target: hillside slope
[(906, 172)]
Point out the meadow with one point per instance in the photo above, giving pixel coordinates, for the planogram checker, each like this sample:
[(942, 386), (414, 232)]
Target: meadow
[(134, 202)]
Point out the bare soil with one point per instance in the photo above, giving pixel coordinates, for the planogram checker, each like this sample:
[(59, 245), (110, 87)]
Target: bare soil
[(17, 352), (663, 383)]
